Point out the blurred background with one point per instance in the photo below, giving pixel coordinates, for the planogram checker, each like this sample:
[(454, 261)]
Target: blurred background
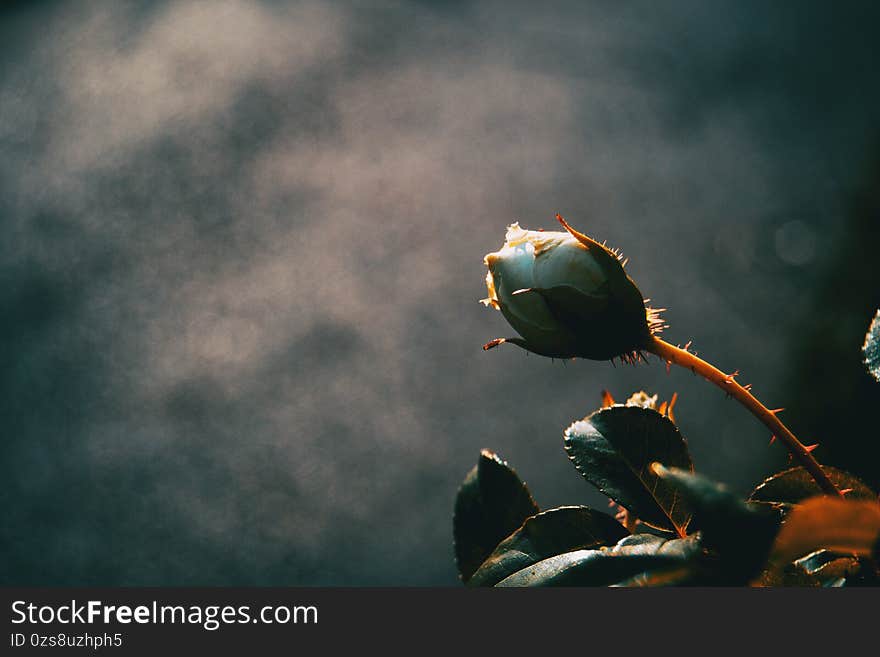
[(242, 251)]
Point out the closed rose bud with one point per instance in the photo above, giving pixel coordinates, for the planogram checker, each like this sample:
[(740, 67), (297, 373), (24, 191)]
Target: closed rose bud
[(566, 295)]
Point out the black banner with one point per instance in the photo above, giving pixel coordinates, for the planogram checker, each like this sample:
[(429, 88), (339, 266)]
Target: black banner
[(269, 620)]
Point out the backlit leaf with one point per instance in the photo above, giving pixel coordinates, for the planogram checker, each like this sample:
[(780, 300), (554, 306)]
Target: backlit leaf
[(739, 535), (795, 485), (613, 449), (829, 523)]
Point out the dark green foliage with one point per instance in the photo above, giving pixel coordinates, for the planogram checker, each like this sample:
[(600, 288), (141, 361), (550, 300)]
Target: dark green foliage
[(633, 555), (786, 489), (828, 565), (828, 568), (637, 457), (545, 535), (795, 485), (738, 535), (871, 347), (492, 503), (614, 449)]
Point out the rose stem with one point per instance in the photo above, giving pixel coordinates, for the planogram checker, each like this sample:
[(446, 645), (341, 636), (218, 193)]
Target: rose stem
[(728, 384)]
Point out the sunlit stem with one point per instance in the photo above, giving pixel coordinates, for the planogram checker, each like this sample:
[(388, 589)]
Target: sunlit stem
[(728, 384)]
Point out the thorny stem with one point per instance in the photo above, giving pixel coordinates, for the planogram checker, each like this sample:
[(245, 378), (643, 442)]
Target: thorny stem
[(728, 384)]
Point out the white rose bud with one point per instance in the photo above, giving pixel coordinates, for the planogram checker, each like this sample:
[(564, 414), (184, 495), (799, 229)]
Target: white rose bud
[(567, 296)]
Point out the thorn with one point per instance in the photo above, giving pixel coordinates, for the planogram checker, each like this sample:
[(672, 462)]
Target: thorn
[(747, 387), (607, 399), (672, 401), (773, 440), (844, 491), (730, 377), (810, 448), (662, 409), (493, 343), (688, 345), (668, 366), (624, 263), (774, 411)]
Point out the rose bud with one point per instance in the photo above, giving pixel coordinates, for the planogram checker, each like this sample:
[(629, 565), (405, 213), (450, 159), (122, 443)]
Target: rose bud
[(567, 296)]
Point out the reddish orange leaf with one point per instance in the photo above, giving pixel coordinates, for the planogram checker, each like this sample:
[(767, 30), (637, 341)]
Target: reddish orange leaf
[(831, 523)]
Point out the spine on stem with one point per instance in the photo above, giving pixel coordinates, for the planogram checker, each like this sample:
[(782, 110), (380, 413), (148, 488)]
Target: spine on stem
[(727, 383)]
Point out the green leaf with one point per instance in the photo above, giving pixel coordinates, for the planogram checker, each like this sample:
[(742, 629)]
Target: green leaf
[(831, 523), (831, 567), (821, 568), (614, 448), (792, 486), (738, 534), (827, 565), (491, 504), (871, 348), (547, 534), (633, 555)]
